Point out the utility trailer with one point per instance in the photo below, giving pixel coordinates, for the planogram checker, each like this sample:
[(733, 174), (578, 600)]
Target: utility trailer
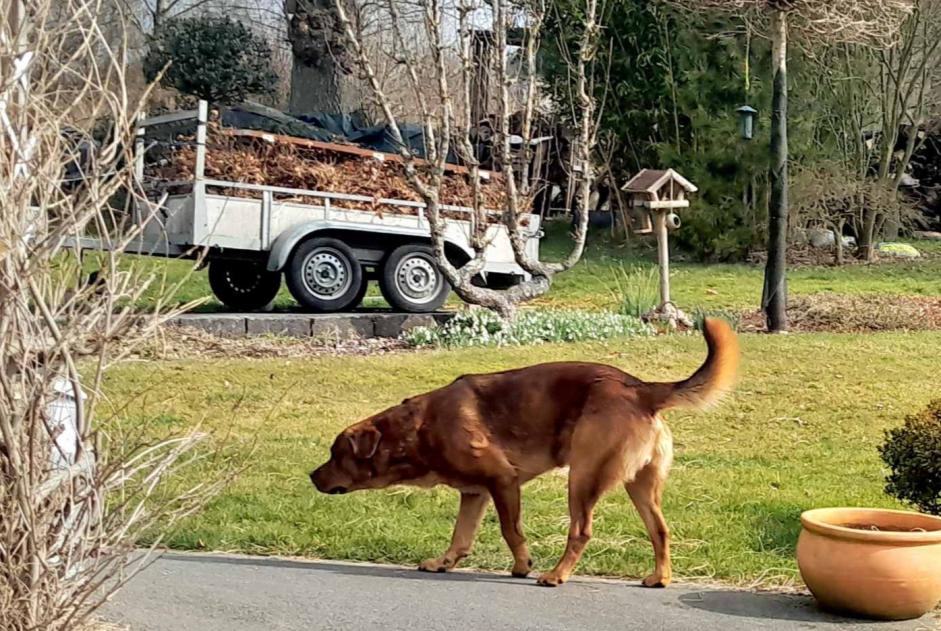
[(326, 245)]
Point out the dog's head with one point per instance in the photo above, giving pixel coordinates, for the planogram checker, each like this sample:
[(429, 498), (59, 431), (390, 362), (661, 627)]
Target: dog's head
[(371, 454)]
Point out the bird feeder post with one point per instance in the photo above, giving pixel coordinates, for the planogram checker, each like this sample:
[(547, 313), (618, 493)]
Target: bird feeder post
[(660, 193), (663, 254)]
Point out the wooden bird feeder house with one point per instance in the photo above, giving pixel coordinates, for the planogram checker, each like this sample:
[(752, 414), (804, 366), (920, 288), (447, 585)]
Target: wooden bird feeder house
[(657, 195)]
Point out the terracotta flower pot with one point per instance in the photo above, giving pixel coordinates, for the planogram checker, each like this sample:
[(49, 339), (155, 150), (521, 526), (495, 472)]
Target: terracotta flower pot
[(872, 562)]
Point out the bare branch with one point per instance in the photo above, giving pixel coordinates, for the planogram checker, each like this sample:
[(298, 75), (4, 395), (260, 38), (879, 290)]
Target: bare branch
[(870, 22), (73, 507), (447, 125)]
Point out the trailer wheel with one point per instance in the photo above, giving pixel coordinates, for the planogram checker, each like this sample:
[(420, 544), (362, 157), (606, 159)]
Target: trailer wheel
[(324, 275), (411, 280), (243, 285)]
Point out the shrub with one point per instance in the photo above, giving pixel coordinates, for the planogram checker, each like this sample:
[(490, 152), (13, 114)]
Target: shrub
[(485, 328), (637, 290), (212, 58), (913, 454)]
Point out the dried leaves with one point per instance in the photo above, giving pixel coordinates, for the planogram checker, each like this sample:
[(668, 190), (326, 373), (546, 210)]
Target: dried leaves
[(851, 314), (254, 161)]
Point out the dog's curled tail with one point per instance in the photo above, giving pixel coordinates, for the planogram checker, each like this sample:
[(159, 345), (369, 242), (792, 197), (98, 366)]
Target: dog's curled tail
[(714, 379)]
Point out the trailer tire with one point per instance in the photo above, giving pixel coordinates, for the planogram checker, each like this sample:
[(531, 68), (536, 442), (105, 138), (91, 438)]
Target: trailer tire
[(324, 275), (243, 285), (411, 280)]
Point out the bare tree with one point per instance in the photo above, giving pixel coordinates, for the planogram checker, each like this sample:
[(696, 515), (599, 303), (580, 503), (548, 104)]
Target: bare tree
[(74, 499), (884, 100), (148, 16), (903, 92), (832, 194), (872, 22), (446, 120)]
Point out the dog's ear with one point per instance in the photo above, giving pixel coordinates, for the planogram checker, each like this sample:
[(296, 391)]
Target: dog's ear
[(365, 442)]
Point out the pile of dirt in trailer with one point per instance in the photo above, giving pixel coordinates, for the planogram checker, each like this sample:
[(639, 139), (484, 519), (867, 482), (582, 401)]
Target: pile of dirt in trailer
[(283, 164)]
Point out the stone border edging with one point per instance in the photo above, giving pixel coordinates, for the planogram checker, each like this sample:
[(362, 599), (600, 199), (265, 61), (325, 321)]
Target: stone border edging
[(304, 325)]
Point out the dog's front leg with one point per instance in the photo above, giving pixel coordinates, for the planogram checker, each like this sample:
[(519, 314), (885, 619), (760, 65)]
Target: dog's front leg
[(473, 507), (506, 498)]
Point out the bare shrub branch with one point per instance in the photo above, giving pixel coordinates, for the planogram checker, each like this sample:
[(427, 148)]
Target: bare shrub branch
[(74, 501), (448, 30), (871, 22)]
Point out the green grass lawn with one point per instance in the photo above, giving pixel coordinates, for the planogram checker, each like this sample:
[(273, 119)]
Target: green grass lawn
[(728, 286), (590, 285), (801, 431)]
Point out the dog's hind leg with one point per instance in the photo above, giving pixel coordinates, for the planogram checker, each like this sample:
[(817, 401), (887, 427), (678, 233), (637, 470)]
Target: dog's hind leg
[(473, 507), (646, 491), (583, 494), (593, 470), (612, 441)]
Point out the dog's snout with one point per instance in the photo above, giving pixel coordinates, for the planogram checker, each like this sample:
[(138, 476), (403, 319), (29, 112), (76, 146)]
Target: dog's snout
[(321, 480), (317, 478)]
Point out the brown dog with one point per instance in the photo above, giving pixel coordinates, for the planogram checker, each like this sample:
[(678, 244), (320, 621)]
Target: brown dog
[(486, 435)]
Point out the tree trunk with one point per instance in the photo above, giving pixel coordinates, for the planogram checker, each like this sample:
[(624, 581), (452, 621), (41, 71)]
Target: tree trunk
[(838, 240), (774, 299), (867, 245), (482, 56), (322, 88), (319, 80), (157, 15), (893, 224)]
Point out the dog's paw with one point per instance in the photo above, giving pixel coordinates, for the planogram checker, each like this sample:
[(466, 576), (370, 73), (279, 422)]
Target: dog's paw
[(655, 580), (550, 579), (434, 565), (522, 570)]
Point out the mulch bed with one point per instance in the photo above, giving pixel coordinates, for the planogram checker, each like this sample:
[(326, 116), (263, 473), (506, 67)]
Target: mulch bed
[(806, 256), (837, 313), (182, 342)]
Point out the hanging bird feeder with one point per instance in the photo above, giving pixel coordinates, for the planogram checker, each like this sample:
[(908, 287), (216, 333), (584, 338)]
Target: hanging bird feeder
[(746, 114)]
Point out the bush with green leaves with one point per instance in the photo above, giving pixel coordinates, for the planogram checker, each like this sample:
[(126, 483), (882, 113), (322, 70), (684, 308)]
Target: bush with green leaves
[(482, 327), (913, 454), (212, 58)]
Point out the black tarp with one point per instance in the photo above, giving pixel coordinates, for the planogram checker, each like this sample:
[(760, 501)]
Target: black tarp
[(261, 118), (325, 127)]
